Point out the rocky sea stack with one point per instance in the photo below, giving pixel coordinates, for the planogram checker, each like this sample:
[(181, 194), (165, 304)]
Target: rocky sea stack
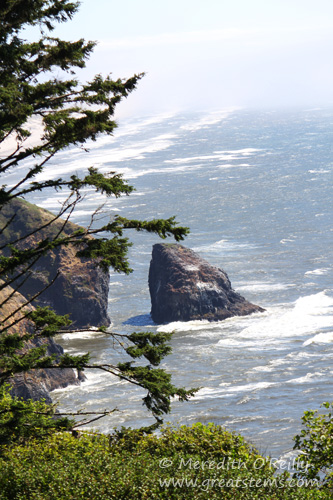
[(185, 287)]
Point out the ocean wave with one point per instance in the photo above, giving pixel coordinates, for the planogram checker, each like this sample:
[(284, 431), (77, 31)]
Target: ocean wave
[(238, 154), (78, 161), (94, 382), (228, 390), (262, 286), (210, 119), (271, 366), (319, 171), (317, 272), (185, 326), (309, 377), (320, 338), (223, 245), (309, 314), (82, 335)]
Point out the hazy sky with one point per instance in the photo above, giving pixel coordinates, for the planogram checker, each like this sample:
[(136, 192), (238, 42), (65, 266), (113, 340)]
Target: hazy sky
[(212, 54)]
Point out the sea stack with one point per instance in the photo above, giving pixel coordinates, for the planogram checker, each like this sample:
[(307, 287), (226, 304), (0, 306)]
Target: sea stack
[(185, 287)]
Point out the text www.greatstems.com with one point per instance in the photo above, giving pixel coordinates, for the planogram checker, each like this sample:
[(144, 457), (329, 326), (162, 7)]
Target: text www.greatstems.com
[(207, 484)]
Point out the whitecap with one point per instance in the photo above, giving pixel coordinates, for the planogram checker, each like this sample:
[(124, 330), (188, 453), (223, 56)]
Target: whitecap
[(256, 386), (286, 240), (184, 326), (262, 286), (94, 332), (95, 381), (309, 314), (306, 378), (233, 155), (210, 119), (270, 367), (320, 338), (319, 171), (228, 390), (223, 245), (317, 272)]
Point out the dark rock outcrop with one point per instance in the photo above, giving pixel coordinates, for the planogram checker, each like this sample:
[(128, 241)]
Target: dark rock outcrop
[(80, 290), (34, 384), (185, 287)]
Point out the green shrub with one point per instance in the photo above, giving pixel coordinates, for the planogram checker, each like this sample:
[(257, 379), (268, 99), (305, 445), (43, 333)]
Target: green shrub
[(22, 420), (316, 445), (197, 462)]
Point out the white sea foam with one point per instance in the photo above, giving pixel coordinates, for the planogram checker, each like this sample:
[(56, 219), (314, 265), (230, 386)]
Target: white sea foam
[(228, 390), (309, 377), (262, 286), (286, 240), (223, 245), (207, 393), (135, 173), (320, 338), (116, 283), (301, 356), (271, 366), (319, 171), (82, 335), (210, 119), (185, 326), (77, 161), (318, 272), (244, 151), (94, 382), (280, 324), (133, 128), (256, 386), (237, 154)]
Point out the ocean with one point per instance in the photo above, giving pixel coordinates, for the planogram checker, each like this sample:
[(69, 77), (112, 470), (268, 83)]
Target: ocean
[(255, 188)]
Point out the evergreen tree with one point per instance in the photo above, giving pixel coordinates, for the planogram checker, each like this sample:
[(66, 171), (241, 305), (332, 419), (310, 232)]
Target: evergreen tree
[(67, 113)]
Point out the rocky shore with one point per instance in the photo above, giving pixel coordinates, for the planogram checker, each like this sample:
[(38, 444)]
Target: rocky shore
[(80, 290)]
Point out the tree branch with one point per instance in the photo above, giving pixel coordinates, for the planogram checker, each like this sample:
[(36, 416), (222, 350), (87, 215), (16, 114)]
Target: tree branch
[(63, 210), (25, 305), (86, 422)]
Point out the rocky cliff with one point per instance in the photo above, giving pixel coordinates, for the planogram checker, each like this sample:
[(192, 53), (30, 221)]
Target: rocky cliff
[(81, 290), (185, 287), (34, 384)]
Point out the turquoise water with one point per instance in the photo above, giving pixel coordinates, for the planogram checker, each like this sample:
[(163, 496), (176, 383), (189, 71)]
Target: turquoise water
[(255, 189)]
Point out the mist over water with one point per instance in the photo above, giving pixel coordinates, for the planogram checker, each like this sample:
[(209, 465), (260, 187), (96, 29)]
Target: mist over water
[(255, 190)]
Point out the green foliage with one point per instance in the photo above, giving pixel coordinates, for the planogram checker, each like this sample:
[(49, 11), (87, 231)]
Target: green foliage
[(149, 345), (21, 420), (47, 322), (158, 384), (68, 113), (16, 356), (197, 462), (316, 445)]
